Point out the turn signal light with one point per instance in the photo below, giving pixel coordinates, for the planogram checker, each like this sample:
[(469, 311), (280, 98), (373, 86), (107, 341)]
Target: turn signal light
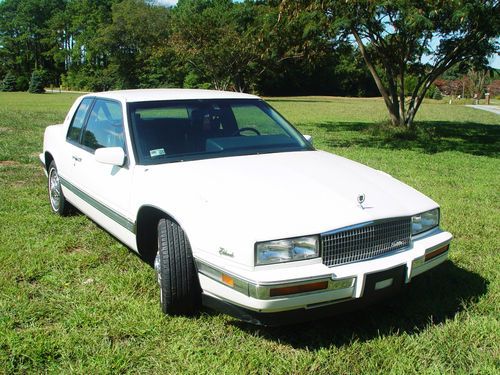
[(302, 288), (228, 280), (436, 252)]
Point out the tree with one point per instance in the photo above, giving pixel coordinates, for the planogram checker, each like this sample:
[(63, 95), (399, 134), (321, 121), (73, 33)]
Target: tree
[(243, 45), (395, 37), (477, 80), (24, 36), (80, 45), (451, 87), (130, 44), (437, 94), (207, 37), (8, 83), (37, 82), (494, 87), (294, 56)]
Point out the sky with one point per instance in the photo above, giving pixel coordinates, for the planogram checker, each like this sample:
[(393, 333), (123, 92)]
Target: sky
[(167, 2), (495, 61), (173, 2)]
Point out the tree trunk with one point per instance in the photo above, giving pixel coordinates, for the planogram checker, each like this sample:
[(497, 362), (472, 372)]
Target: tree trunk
[(402, 110), (394, 115), (392, 107)]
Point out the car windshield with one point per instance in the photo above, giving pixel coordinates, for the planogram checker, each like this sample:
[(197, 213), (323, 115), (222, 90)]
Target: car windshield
[(170, 131)]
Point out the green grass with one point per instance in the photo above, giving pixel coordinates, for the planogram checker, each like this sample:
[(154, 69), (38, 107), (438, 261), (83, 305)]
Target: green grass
[(72, 299)]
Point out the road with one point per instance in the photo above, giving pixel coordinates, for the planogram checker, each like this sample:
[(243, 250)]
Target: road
[(489, 108)]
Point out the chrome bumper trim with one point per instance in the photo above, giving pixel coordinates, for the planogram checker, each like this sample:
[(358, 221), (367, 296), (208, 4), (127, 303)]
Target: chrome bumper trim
[(420, 265), (262, 291)]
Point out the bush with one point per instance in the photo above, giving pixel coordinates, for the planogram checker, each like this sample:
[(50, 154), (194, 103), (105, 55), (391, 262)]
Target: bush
[(92, 79), (430, 92), (104, 80), (437, 94), (37, 82), (22, 83), (193, 81), (8, 83), (74, 80)]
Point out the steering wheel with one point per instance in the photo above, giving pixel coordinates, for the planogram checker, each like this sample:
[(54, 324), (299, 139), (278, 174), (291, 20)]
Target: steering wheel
[(238, 132)]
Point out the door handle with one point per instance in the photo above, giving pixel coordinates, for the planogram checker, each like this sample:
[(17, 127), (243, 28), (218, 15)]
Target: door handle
[(77, 158)]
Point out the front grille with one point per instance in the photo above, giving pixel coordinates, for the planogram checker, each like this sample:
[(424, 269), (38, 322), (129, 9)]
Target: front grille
[(365, 241)]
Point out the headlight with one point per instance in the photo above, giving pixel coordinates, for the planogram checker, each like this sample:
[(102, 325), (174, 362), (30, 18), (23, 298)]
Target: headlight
[(424, 221), (286, 250)]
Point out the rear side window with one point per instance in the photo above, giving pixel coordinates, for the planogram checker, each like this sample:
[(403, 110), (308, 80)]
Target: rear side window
[(78, 120), (104, 126)]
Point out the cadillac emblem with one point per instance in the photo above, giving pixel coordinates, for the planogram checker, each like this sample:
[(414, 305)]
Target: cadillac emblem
[(361, 198), (397, 243)]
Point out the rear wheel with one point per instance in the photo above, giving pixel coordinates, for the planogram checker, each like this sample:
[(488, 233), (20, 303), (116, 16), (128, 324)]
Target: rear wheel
[(58, 202), (180, 290)]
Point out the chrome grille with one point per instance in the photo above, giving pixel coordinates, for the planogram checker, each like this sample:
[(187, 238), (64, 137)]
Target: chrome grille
[(365, 241)]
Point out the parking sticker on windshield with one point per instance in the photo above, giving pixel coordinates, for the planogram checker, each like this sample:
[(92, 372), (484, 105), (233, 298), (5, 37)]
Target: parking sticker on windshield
[(157, 152)]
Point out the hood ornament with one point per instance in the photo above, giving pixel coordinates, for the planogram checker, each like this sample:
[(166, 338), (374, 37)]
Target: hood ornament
[(361, 198)]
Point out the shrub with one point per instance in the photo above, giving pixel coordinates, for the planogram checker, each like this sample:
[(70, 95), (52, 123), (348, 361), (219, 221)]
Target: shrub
[(104, 80), (74, 80), (430, 92), (92, 79), (437, 94), (22, 83), (37, 82), (8, 83), (193, 81)]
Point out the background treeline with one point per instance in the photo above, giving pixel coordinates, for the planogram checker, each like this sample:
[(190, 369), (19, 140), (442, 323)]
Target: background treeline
[(115, 44)]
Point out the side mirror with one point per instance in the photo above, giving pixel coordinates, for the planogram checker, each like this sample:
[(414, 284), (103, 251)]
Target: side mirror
[(110, 155), (309, 138)]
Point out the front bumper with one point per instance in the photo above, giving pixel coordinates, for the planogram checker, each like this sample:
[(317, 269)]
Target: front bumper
[(309, 313), (248, 295)]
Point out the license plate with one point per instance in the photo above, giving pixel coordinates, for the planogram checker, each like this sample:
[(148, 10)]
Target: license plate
[(385, 281)]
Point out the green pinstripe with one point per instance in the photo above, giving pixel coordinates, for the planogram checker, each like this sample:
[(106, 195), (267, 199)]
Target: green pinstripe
[(113, 215)]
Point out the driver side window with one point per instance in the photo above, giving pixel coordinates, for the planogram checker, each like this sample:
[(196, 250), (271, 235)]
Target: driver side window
[(78, 120), (253, 117), (104, 126)]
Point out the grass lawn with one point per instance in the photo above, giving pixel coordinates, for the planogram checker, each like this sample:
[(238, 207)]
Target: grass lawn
[(73, 299)]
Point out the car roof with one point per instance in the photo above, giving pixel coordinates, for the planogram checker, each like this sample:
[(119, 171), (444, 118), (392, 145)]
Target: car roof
[(146, 95)]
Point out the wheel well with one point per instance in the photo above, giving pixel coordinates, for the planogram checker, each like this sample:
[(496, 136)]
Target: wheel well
[(147, 232), (48, 159)]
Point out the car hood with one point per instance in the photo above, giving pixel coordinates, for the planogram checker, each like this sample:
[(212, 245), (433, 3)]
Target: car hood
[(233, 202)]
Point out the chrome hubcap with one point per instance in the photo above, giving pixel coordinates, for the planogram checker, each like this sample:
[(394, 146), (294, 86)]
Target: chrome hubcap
[(157, 266), (54, 190)]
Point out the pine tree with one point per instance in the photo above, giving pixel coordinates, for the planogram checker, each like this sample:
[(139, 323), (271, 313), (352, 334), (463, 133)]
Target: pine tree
[(37, 82), (8, 83), (437, 94)]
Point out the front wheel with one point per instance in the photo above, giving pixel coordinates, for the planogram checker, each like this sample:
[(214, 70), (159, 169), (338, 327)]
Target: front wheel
[(180, 290), (58, 202)]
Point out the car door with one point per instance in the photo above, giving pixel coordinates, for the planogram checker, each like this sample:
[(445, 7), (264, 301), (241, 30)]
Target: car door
[(103, 186)]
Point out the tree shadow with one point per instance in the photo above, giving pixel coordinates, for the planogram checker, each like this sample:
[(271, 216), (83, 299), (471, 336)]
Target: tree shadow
[(430, 137), (430, 299)]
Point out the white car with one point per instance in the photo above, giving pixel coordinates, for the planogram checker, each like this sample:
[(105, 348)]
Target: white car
[(234, 208)]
